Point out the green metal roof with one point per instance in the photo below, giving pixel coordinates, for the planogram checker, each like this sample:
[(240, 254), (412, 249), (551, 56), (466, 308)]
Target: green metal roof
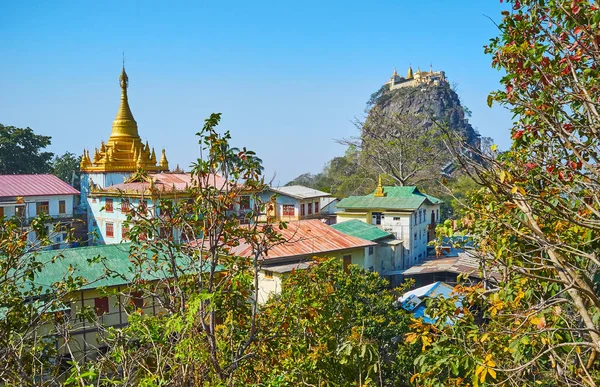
[(396, 198), (94, 262), (355, 227)]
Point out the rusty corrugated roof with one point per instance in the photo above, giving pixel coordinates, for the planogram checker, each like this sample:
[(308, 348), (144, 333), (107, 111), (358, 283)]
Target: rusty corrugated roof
[(165, 182), (464, 263), (307, 238), (34, 185)]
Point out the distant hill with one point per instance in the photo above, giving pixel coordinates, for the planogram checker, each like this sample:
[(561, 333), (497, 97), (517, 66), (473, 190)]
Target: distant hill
[(425, 98)]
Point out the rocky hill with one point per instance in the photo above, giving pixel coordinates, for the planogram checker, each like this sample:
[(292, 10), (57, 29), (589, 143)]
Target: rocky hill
[(428, 102)]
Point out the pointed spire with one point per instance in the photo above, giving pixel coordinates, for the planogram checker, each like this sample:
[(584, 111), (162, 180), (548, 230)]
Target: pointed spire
[(153, 157), (379, 193), (164, 163), (83, 162), (410, 72), (395, 72), (431, 69), (124, 124)]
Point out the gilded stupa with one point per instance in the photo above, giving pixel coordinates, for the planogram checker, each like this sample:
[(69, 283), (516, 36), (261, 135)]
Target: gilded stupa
[(124, 151)]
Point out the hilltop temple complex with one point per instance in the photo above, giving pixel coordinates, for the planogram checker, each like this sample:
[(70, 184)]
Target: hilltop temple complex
[(416, 78)]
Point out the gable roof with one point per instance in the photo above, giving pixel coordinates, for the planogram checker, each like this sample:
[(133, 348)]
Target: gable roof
[(299, 192), (307, 238), (81, 262), (160, 182), (357, 228), (34, 185), (396, 198)]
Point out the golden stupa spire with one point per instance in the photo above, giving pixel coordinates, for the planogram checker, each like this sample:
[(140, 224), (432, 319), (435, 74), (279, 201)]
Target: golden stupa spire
[(124, 124), (395, 72), (410, 72), (163, 160), (379, 191)]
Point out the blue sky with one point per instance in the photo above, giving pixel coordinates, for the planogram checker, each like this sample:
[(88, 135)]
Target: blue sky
[(289, 77)]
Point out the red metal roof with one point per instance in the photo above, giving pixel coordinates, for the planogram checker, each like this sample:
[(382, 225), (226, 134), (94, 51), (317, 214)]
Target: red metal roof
[(34, 185), (307, 238), (166, 182)]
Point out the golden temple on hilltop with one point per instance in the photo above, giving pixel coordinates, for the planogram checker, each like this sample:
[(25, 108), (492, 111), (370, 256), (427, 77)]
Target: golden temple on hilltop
[(417, 78), (124, 150)]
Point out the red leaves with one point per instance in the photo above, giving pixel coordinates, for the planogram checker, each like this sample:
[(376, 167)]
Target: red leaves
[(575, 8), (517, 5), (509, 89), (568, 127), (550, 168), (518, 134)]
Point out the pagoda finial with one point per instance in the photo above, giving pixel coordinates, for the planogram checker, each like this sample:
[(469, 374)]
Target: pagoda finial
[(379, 193), (431, 68), (395, 72), (163, 160), (410, 72), (124, 124)]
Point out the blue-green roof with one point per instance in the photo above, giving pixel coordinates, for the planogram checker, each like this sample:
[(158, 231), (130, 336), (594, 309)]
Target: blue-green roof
[(361, 230), (95, 264), (396, 198)]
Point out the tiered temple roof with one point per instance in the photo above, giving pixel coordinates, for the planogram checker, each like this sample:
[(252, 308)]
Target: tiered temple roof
[(124, 150)]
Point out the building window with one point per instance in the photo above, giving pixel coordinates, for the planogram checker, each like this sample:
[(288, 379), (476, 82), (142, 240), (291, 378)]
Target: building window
[(124, 206), (371, 250), (289, 210), (309, 208), (316, 207), (124, 231), (42, 208), (396, 218), (347, 262), (108, 205), (110, 229), (62, 207), (376, 218), (20, 211), (268, 274), (1, 212), (415, 218), (437, 215), (420, 217), (101, 305), (302, 212), (137, 300), (244, 202), (415, 236)]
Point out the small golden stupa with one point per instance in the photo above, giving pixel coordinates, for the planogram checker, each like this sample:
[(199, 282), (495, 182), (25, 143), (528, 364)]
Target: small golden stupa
[(124, 150)]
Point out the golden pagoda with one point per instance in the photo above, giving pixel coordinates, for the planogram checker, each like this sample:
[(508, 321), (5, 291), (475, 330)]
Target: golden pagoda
[(124, 150)]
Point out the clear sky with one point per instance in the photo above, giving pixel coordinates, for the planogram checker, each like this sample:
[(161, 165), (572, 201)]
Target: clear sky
[(288, 76)]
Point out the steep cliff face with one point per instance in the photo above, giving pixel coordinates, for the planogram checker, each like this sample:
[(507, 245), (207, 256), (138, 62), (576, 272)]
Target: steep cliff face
[(428, 103)]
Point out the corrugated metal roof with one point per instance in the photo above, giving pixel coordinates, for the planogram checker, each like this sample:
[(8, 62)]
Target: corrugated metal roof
[(34, 185), (81, 262), (397, 198), (463, 263), (164, 182), (355, 227), (307, 238), (300, 192)]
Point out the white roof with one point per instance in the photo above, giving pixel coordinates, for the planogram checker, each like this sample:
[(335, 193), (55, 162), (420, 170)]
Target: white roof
[(300, 192), (428, 290)]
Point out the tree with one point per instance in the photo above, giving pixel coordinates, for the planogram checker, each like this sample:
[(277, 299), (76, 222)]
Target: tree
[(332, 327), (536, 216), (21, 151), (66, 167), (400, 147)]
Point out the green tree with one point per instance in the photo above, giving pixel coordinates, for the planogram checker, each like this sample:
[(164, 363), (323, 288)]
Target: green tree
[(535, 218), (21, 151), (332, 328), (66, 167)]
